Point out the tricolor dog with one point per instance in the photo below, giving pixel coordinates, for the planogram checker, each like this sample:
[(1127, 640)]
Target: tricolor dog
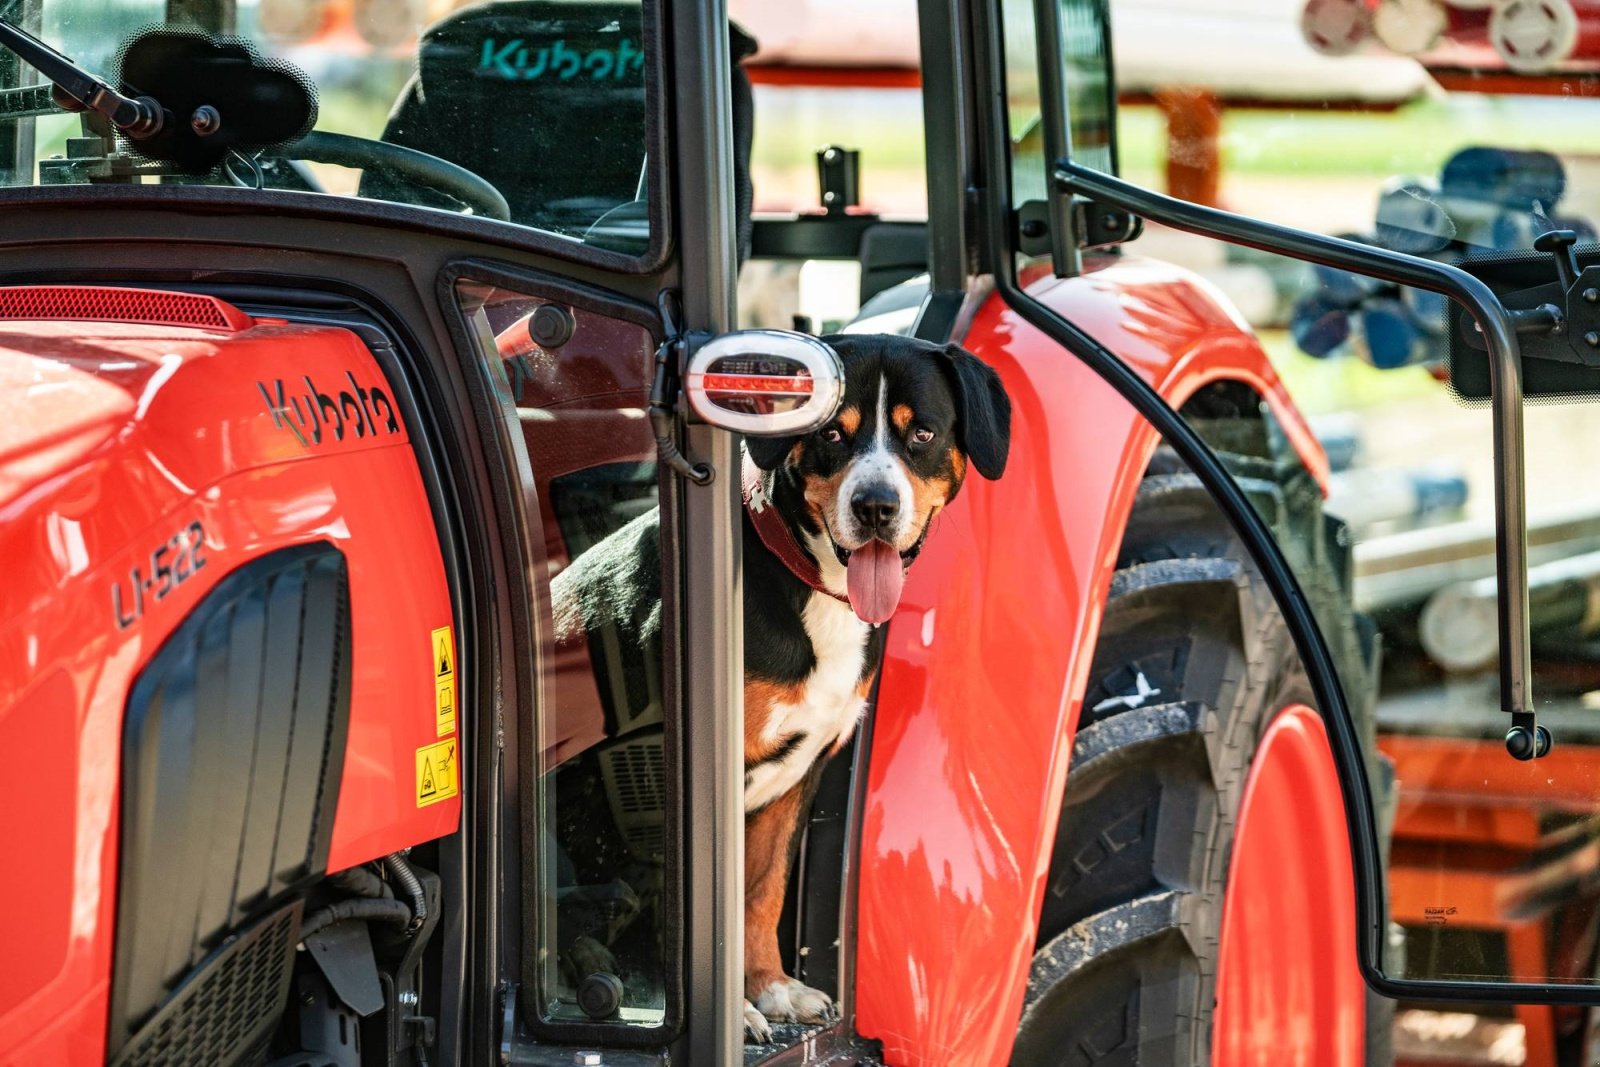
[(833, 521)]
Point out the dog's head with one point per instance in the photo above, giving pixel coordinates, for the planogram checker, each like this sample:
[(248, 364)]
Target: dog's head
[(865, 488)]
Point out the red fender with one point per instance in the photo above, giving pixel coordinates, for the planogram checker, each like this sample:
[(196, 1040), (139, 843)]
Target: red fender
[(988, 656)]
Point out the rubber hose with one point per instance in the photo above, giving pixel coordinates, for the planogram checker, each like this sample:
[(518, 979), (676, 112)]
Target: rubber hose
[(362, 882), (387, 911), (408, 881)]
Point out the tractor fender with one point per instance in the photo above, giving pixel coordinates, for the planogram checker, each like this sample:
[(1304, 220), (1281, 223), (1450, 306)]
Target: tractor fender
[(988, 656)]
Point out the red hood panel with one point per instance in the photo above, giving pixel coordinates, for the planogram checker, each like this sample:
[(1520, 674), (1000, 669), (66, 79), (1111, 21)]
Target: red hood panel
[(149, 416), (141, 462)]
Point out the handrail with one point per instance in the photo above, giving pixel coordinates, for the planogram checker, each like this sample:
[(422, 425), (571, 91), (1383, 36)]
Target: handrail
[(1505, 375)]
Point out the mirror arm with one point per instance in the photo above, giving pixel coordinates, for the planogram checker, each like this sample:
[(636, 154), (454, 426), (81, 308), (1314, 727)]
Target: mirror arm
[(671, 355), (1526, 739)]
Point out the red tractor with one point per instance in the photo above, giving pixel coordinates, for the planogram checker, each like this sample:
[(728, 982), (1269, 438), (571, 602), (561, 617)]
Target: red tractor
[(332, 337)]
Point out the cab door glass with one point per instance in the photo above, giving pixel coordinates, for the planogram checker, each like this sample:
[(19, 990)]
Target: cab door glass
[(1086, 51), (1363, 439), (573, 383), (1021, 44)]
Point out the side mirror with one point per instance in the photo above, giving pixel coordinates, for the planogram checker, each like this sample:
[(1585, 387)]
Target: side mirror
[(221, 95), (765, 383)]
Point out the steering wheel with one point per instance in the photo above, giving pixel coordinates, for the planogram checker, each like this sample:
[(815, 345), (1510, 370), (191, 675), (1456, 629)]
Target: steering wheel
[(454, 181)]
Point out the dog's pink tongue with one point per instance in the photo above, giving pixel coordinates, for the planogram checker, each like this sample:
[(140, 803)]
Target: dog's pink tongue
[(876, 579)]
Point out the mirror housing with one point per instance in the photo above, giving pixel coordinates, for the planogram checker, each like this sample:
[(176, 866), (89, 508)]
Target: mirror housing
[(765, 383)]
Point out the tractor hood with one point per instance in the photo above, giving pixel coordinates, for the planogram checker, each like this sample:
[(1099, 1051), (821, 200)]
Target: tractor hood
[(119, 407)]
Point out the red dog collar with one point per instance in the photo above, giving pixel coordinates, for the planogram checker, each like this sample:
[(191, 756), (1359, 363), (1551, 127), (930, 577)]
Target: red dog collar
[(775, 533)]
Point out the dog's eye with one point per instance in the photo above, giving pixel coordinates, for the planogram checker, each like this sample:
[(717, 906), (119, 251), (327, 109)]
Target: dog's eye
[(922, 435), (832, 435)]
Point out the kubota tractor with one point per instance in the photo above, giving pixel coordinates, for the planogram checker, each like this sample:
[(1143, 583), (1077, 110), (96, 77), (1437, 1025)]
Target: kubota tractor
[(331, 334)]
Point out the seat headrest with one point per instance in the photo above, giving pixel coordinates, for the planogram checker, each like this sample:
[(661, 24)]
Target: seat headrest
[(546, 100)]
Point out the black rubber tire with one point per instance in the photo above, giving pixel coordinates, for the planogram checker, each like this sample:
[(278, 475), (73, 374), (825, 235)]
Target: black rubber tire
[(1125, 964)]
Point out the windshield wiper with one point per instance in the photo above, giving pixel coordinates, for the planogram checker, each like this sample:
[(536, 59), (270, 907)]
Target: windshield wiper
[(78, 90)]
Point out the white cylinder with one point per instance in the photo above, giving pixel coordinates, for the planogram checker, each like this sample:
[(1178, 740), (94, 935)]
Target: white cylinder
[(1410, 26), (1460, 630), (1535, 36), (1336, 27)]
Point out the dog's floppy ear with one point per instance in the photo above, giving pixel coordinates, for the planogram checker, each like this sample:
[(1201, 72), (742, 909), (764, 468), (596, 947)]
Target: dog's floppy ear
[(984, 427), (768, 452)]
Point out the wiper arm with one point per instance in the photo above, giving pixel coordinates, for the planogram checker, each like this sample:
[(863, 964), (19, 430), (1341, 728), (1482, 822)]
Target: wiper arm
[(77, 89)]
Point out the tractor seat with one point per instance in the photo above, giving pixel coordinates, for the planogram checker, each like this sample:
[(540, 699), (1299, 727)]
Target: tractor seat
[(892, 310), (546, 100)]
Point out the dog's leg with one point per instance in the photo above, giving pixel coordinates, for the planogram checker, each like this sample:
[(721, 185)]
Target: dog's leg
[(769, 837)]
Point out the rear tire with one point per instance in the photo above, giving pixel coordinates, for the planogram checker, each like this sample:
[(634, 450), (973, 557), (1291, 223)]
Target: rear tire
[(1193, 663)]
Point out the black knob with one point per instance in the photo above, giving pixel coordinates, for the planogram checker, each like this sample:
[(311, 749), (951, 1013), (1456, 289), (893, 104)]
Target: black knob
[(551, 326), (600, 995), (1529, 742), (1559, 244)]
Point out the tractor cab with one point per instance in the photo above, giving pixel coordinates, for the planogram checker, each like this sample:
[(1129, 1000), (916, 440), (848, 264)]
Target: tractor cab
[(393, 393)]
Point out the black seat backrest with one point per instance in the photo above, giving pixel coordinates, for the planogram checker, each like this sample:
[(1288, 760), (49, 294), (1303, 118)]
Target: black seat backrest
[(546, 100)]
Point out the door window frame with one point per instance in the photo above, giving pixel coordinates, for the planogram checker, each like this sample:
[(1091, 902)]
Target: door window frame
[(524, 526)]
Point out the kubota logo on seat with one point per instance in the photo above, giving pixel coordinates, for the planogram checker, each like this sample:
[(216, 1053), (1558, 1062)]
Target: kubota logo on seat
[(359, 411), (515, 60)]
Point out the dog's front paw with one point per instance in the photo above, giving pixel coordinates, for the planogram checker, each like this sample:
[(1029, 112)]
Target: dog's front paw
[(757, 1031), (785, 1000)]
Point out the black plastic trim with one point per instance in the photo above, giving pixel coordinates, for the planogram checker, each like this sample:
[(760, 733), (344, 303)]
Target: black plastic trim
[(232, 757), (819, 236), (229, 1004)]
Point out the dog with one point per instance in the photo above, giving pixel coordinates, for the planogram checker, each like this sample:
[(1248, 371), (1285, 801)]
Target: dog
[(833, 520)]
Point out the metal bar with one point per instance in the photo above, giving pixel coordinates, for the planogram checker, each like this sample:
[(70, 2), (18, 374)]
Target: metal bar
[(712, 654), (138, 118), (948, 148), (30, 102), (1064, 253), (1505, 367)]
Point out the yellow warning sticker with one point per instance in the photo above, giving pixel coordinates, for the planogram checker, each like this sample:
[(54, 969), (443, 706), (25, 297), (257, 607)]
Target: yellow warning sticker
[(444, 653), (437, 775), (446, 722)]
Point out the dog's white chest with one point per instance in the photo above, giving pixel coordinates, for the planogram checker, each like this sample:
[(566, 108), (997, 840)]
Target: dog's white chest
[(830, 701)]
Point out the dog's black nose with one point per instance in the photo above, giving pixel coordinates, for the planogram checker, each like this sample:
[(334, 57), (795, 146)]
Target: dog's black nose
[(875, 508)]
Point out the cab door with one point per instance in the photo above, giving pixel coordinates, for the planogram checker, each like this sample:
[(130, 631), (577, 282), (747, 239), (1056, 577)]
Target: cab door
[(1429, 379), (629, 817)]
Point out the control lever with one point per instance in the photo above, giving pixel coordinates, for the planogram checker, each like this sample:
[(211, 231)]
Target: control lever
[(1559, 244)]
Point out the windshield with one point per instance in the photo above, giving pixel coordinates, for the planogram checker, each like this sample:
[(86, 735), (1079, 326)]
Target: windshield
[(530, 111)]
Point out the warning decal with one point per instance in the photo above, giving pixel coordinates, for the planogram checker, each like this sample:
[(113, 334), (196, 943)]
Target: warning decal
[(437, 775), (444, 654), (446, 721)]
